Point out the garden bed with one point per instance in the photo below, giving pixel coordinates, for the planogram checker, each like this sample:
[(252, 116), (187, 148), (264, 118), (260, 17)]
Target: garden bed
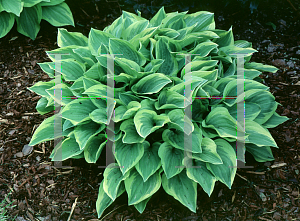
[(40, 191)]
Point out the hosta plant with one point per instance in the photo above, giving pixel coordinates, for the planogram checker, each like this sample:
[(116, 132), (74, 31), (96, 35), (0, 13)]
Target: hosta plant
[(149, 104), (29, 13)]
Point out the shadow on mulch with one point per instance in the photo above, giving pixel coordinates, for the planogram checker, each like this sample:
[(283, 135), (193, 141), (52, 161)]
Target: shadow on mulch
[(40, 191)]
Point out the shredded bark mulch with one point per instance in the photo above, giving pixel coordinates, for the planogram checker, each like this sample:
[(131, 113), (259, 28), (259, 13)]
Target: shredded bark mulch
[(40, 191)]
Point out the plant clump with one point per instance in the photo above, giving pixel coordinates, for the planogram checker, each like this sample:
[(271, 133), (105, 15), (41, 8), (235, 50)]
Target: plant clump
[(149, 102), (29, 13)]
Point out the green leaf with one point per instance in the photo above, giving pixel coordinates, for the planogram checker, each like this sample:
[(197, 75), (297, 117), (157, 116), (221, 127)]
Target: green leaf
[(79, 156), (151, 84), (58, 15), (104, 201), (94, 147), (67, 53), (131, 16), (29, 21), (182, 189), (96, 72), (65, 38), (232, 50), (101, 115), (131, 135), (118, 46), (72, 70), (96, 38), (204, 48), (44, 132), (168, 99), (204, 75), (67, 124), (154, 65), (128, 155), (176, 139), (41, 87), (171, 18), (226, 38), (112, 179), (158, 17), (129, 67), (51, 2), (224, 172), (30, 3), (144, 51), (171, 159), (103, 60), (78, 110), (67, 149), (7, 21), (231, 90), (220, 120), (170, 66), (202, 20), (261, 67), (147, 121), (142, 205), (42, 108), (198, 172), (13, 6), (198, 66), (264, 99), (209, 152), (65, 91), (199, 109), (150, 162), (242, 44), (258, 135), (134, 29), (168, 32), (179, 121), (211, 90), (251, 73), (260, 154), (86, 131), (275, 120), (138, 190), (143, 37), (127, 97), (87, 83), (152, 47), (251, 110), (123, 112)]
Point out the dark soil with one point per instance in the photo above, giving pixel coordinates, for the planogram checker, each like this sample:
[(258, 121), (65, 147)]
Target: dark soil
[(40, 191)]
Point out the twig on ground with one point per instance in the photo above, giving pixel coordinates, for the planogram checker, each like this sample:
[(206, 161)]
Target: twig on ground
[(262, 218), (258, 173), (242, 177), (72, 210)]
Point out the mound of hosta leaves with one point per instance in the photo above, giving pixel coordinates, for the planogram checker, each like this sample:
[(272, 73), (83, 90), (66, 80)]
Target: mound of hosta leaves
[(29, 13), (148, 112)]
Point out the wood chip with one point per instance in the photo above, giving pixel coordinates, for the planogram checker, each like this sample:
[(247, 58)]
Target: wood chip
[(283, 83), (3, 121), (278, 165), (35, 113)]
